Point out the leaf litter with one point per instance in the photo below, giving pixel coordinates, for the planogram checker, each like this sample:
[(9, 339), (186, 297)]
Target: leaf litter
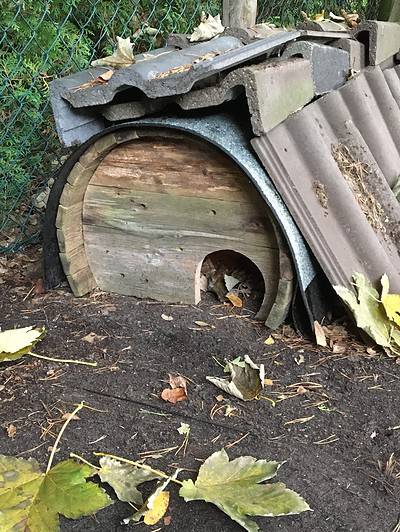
[(177, 391), (247, 379)]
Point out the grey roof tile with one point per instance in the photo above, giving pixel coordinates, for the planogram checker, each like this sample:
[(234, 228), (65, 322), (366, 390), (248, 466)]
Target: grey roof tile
[(301, 154)]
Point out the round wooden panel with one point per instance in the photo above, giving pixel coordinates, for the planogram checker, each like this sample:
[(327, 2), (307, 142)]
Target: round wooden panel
[(156, 206)]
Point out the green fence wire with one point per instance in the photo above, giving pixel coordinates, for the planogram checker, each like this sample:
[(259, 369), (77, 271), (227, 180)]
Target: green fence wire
[(44, 39)]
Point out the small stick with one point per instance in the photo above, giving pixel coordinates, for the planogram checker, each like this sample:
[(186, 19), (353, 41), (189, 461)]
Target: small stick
[(54, 450), (73, 455), (65, 361), (141, 466)]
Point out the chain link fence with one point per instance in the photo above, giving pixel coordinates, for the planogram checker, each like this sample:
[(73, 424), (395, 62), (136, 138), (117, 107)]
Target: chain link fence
[(44, 39)]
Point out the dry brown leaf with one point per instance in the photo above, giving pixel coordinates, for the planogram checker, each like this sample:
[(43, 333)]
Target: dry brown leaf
[(173, 395), (177, 381), (39, 287), (107, 75), (234, 299), (319, 334), (100, 80), (11, 431), (93, 337), (167, 520)]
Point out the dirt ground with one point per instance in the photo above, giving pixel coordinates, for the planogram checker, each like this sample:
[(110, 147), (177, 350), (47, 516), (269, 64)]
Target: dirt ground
[(336, 418)]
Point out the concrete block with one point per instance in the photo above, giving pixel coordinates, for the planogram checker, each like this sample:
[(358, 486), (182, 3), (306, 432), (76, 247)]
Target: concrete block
[(324, 25), (382, 40), (274, 90), (330, 66), (356, 51)]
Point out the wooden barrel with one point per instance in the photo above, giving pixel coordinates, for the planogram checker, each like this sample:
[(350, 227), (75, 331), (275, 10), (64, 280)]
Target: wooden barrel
[(140, 212)]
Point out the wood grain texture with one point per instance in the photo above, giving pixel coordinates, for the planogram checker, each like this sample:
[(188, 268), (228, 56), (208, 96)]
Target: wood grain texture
[(239, 13), (156, 207), (69, 216)]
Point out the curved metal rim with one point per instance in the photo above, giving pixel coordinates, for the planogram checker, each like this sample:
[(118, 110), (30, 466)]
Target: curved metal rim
[(201, 128)]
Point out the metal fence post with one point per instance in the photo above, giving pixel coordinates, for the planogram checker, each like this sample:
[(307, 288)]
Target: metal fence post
[(239, 13)]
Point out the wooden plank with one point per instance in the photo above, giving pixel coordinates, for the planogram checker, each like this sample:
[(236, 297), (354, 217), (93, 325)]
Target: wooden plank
[(239, 13), (69, 217), (73, 194), (181, 167), (163, 268), (70, 238), (82, 282), (74, 261), (155, 214)]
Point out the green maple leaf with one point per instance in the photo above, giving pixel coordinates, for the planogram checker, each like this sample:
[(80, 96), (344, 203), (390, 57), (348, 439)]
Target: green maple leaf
[(236, 488), (124, 479), (31, 500)]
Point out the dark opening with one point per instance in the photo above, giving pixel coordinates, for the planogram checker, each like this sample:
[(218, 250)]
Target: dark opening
[(227, 272)]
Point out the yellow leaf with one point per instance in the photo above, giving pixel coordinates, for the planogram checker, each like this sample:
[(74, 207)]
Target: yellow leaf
[(268, 382), (235, 300), (158, 509), (269, 341), (390, 302), (17, 342)]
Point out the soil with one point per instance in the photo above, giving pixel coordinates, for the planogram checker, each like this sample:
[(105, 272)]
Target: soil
[(344, 405)]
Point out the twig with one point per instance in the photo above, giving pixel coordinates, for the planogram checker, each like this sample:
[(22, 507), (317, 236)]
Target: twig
[(141, 466), (54, 450), (65, 361), (73, 455)]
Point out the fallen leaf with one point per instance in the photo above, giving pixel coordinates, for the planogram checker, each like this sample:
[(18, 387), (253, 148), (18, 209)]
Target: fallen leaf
[(173, 396), (155, 506), (184, 429), (166, 318), (177, 381), (208, 28), (236, 487), (167, 520), (34, 500), (11, 431), (220, 398), (92, 337), (336, 18), (319, 334), (369, 313), (246, 382), (268, 382), (230, 282), (390, 302), (122, 56), (234, 299), (18, 342), (124, 479), (269, 341), (158, 509), (204, 324), (107, 75), (39, 287)]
